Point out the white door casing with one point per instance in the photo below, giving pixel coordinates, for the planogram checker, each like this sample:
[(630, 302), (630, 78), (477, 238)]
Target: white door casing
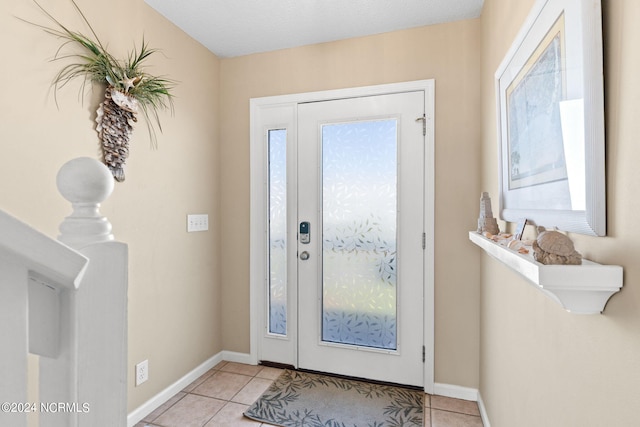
[(281, 112)]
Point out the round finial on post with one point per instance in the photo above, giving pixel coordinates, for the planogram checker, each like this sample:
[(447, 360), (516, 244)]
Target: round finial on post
[(85, 182)]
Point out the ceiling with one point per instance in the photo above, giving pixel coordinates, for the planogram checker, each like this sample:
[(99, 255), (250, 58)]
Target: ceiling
[(231, 28)]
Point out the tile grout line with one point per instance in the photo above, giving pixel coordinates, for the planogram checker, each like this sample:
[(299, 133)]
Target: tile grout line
[(204, 377)]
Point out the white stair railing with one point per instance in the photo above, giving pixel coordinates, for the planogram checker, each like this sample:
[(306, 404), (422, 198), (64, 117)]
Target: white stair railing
[(65, 301)]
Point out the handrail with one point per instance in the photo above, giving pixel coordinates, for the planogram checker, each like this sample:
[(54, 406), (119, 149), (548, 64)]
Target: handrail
[(42, 254)]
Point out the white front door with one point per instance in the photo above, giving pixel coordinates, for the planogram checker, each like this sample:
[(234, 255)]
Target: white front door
[(339, 265), (360, 190)]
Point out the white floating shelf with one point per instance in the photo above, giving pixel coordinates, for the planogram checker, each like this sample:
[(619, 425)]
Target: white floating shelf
[(583, 289)]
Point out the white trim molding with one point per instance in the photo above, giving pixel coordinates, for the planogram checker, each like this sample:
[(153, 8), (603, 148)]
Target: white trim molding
[(483, 411), (464, 393), (156, 401), (455, 391), (138, 414), (260, 106)]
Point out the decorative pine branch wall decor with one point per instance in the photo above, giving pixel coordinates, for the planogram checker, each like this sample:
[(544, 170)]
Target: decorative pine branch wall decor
[(128, 89)]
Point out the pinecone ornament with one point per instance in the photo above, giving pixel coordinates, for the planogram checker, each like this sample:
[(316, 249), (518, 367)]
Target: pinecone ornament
[(123, 95), (115, 118)]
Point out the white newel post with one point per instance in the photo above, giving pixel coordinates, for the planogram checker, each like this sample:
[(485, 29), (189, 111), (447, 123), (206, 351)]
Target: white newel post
[(89, 374)]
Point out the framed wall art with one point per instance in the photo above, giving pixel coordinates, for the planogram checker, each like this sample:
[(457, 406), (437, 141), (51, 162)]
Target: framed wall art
[(550, 110)]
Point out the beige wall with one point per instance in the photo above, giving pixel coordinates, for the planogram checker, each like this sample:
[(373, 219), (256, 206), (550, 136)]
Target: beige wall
[(447, 53), (541, 366), (176, 319), (534, 363), (174, 287)]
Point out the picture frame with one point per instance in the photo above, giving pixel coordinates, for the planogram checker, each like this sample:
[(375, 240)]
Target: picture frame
[(522, 223), (550, 118)]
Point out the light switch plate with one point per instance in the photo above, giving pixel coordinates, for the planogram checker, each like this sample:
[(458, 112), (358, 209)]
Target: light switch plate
[(199, 222)]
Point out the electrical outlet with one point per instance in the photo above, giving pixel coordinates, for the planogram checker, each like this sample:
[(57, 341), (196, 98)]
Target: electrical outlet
[(197, 222), (142, 372)]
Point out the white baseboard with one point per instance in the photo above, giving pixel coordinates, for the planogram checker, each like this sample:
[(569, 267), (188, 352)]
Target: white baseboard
[(483, 412), (464, 393), (455, 391), (135, 416), (232, 356), (154, 403)]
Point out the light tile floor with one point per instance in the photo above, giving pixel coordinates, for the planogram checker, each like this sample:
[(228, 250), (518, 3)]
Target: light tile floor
[(220, 396)]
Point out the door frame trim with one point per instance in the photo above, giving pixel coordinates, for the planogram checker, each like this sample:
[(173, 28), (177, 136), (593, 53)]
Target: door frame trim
[(258, 230)]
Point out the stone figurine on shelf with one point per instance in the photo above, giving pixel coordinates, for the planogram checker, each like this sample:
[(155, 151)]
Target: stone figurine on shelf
[(553, 247), (486, 222)]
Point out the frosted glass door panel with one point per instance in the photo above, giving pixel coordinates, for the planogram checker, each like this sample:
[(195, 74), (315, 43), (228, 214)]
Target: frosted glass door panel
[(360, 283), (277, 232), (359, 223)]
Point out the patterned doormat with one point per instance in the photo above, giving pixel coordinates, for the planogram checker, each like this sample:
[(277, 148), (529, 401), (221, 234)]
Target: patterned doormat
[(303, 399)]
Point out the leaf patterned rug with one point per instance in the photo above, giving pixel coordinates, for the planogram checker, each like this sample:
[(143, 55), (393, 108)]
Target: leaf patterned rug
[(303, 399)]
